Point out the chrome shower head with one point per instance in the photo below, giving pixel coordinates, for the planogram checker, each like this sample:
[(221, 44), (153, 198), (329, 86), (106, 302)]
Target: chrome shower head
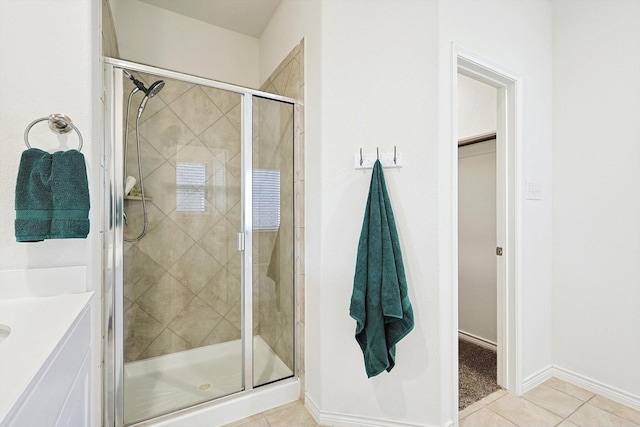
[(155, 88), (148, 93)]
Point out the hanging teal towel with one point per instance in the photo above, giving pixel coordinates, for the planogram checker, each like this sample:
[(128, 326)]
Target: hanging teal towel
[(52, 196), (380, 304)]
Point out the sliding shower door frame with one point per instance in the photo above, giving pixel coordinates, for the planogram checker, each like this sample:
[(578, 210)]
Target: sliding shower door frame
[(245, 238), (112, 232), (112, 239)]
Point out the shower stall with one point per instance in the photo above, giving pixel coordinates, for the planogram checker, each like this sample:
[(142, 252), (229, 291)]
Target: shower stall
[(199, 248)]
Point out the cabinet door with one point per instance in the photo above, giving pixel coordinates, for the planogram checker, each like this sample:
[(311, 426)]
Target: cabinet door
[(47, 396), (75, 411)]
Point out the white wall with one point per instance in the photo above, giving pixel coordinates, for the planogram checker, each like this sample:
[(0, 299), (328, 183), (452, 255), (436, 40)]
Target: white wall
[(150, 35), (477, 107), (596, 174), (517, 37), (477, 283), (379, 89), (360, 54), (384, 80), (35, 81)]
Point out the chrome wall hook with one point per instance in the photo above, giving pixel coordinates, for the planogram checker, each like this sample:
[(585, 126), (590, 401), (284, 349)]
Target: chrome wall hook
[(387, 160)]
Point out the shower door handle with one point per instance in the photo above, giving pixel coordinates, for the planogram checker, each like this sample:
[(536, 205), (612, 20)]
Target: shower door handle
[(241, 242)]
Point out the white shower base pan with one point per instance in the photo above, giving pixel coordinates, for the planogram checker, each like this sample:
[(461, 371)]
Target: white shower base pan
[(164, 384)]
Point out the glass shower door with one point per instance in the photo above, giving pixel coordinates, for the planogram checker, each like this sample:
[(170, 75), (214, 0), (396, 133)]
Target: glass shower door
[(273, 241), (182, 279)]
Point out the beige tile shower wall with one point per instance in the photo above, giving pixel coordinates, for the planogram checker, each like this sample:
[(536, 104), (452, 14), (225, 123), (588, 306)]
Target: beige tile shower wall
[(288, 80), (182, 279)]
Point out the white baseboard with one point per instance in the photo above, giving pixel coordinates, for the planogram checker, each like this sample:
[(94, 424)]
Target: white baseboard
[(349, 420), (312, 407), (532, 381), (474, 339), (598, 387), (579, 380)]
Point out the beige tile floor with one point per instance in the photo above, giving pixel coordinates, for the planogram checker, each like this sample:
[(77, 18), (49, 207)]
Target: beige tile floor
[(292, 414), (553, 403)]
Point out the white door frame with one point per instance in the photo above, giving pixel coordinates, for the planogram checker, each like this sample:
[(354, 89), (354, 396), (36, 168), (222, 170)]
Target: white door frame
[(508, 220)]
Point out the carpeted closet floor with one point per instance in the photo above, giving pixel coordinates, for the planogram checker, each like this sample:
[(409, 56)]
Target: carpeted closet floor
[(477, 373)]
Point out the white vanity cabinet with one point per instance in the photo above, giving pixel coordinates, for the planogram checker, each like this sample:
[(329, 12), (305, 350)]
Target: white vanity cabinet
[(56, 392)]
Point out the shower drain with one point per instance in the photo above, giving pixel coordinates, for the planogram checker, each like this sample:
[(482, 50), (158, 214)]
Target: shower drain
[(204, 387)]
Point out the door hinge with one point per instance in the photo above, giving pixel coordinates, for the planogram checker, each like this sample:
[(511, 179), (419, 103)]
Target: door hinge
[(241, 242), (499, 251)]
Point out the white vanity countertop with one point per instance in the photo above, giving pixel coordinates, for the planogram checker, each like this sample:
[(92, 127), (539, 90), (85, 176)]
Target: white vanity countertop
[(38, 326)]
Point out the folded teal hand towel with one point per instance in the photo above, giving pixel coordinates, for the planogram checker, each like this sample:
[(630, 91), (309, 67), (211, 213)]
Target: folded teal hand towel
[(34, 202), (52, 196), (380, 303)]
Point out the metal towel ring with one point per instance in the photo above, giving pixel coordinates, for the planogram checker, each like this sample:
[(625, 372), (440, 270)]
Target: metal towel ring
[(58, 123)]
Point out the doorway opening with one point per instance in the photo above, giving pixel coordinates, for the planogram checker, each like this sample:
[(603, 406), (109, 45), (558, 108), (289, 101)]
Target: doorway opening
[(477, 281), (495, 155)]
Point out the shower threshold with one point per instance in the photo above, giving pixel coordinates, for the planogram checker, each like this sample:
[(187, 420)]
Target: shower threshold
[(163, 384)]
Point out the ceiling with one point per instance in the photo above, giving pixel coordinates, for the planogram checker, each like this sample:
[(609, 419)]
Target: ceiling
[(249, 17)]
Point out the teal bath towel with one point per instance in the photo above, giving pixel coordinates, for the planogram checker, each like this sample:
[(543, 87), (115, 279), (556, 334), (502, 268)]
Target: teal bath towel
[(52, 196), (380, 304)]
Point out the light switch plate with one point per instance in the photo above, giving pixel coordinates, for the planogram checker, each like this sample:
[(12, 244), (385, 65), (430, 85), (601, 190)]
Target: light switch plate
[(533, 190)]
